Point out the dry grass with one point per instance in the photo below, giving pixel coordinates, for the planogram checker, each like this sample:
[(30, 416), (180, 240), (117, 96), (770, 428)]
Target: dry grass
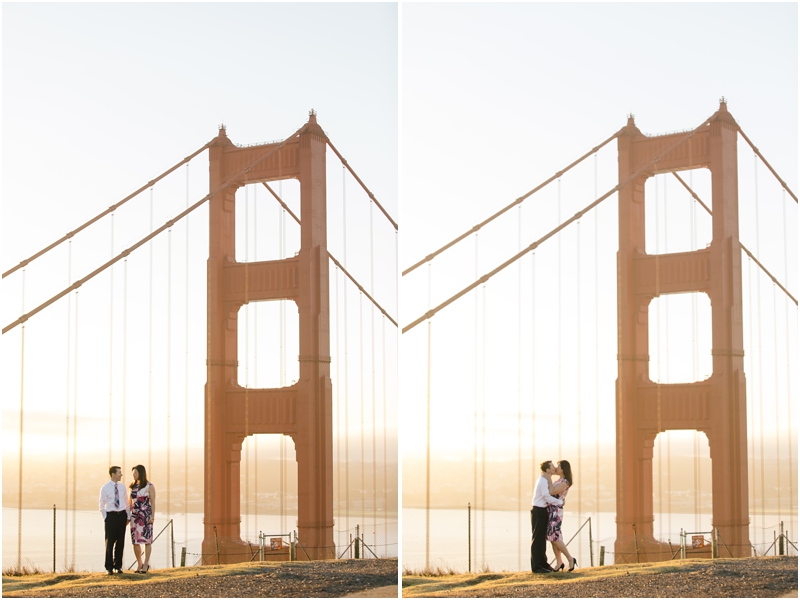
[(686, 578)]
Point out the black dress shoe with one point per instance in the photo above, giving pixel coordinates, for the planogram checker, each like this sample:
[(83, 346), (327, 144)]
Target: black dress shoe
[(549, 568), (109, 572), (542, 570), (119, 571)]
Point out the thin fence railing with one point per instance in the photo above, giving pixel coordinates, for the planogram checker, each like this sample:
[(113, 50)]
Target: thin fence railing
[(470, 540), (58, 540)]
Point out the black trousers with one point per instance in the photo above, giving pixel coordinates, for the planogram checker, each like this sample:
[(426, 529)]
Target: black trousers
[(115, 538), (539, 538)]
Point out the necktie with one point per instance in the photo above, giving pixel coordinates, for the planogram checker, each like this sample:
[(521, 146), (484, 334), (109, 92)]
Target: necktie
[(116, 496)]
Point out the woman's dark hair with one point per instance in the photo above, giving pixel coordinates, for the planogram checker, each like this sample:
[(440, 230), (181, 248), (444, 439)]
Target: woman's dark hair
[(142, 477), (565, 466)]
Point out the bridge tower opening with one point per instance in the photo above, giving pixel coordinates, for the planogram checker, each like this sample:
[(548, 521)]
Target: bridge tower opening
[(302, 410), (716, 406)]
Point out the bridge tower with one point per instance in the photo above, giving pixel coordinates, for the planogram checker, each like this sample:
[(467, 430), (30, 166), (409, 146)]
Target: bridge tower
[(716, 405), (302, 410)]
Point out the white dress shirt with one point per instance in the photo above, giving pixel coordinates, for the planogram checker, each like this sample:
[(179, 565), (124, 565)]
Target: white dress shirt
[(107, 499), (541, 494)]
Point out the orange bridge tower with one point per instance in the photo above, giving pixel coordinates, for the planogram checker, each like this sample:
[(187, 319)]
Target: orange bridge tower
[(302, 410), (715, 406)]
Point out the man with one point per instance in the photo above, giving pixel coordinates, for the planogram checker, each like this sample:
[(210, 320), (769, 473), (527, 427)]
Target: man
[(541, 498), (116, 511)]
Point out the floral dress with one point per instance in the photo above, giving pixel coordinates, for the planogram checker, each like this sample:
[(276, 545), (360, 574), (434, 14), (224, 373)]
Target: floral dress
[(141, 530), (555, 515)]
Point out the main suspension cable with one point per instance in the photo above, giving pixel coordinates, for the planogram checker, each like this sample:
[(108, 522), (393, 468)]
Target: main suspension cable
[(769, 166), (235, 177), (109, 210), (514, 203), (372, 197), (641, 169)]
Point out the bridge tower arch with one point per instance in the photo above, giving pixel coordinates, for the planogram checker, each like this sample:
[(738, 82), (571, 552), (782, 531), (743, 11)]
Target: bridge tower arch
[(303, 410), (715, 406)]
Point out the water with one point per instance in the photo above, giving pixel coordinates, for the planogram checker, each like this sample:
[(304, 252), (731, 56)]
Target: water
[(501, 538), (84, 550)]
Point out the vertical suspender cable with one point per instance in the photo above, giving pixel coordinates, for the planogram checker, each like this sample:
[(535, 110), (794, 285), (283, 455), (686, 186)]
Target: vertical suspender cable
[(150, 350), (21, 432), (533, 371), (372, 353), (246, 360), (385, 478), (338, 503), (169, 369), (751, 412), (186, 379), (361, 394), (75, 429), (579, 397), (596, 363), (428, 441), (760, 354), (658, 351), (789, 421), (558, 318), (519, 390), (475, 419), (111, 347), (483, 429), (124, 356), (777, 400), (67, 420), (255, 367), (282, 362), (346, 379)]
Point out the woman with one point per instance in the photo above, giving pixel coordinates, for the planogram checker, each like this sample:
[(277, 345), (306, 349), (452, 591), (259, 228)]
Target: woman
[(555, 515), (143, 508)]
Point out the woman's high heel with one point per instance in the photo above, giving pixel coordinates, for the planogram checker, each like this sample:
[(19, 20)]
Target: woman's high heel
[(574, 564), (560, 567)]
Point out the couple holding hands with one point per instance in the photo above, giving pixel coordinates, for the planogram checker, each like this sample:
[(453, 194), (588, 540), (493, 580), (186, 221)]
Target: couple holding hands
[(547, 512)]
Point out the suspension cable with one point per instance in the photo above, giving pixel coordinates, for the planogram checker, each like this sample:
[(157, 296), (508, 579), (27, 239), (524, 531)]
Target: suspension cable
[(514, 203), (346, 365), (21, 432), (110, 209), (75, 429), (67, 407), (361, 395), (558, 320), (372, 354), (750, 254), (372, 197), (596, 357), (483, 429), (659, 380), (150, 349), (336, 262), (147, 238), (777, 400), (519, 390), (185, 378), (760, 352), (646, 164), (428, 442), (475, 409), (169, 370), (111, 347), (789, 421), (769, 166)]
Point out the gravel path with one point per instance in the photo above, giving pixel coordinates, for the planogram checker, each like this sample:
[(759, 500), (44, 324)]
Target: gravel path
[(742, 578), (318, 579)]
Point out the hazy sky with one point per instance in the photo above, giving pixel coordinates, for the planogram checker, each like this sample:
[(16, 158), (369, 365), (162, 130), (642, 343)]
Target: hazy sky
[(98, 99), (499, 97)]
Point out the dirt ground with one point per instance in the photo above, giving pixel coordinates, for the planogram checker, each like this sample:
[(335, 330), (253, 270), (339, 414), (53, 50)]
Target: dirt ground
[(316, 579), (766, 577)]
